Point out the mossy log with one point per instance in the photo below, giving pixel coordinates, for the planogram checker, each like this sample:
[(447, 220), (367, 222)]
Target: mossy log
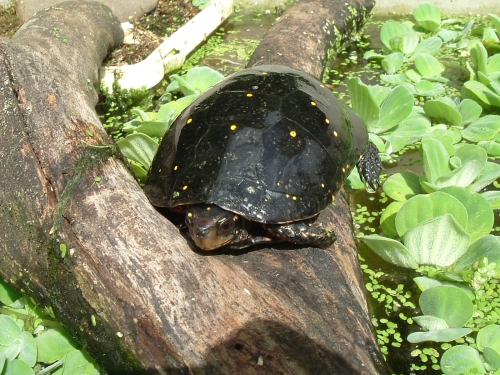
[(129, 287)]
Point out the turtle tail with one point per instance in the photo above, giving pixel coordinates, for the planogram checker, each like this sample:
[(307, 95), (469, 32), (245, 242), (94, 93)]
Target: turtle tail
[(369, 166)]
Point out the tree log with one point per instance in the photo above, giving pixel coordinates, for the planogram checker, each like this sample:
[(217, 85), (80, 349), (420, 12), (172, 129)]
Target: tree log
[(159, 306)]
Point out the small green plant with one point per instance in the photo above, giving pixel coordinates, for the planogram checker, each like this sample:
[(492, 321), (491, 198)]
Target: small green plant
[(144, 132), (31, 342), (202, 4)]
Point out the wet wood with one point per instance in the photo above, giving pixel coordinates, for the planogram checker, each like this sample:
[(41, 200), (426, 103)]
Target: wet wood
[(159, 306)]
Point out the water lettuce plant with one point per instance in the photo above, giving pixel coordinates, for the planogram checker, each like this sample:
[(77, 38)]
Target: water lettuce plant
[(31, 342), (439, 219)]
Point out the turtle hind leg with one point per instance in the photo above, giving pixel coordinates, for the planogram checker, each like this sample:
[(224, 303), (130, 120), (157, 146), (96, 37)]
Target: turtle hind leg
[(369, 166), (304, 232)]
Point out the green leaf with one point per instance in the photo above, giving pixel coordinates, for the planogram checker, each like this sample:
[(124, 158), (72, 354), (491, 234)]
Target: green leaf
[(203, 77), (442, 335), (391, 63), (493, 65), (430, 45), (489, 173), (424, 207), (139, 148), (448, 35), (439, 241), (496, 21), (491, 147), (443, 112), (469, 110), (409, 42), (485, 95), (8, 295), (480, 215), (425, 283), (489, 336), (77, 362), (390, 250), (435, 158), (468, 153), (362, 101), (430, 323), (427, 65), (482, 129), (17, 367), (393, 79), (53, 344), (492, 357), (479, 56), (28, 350), (413, 128), (9, 330), (493, 198), (462, 176), (391, 30), (487, 246), (462, 359), (396, 108), (449, 303), (402, 186), (388, 219), (427, 15), (195, 81)]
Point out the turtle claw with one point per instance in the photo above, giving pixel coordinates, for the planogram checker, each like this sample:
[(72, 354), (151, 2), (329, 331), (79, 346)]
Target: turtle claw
[(369, 166)]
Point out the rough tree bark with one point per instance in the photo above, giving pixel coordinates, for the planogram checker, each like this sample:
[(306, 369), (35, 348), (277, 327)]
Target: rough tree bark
[(160, 307)]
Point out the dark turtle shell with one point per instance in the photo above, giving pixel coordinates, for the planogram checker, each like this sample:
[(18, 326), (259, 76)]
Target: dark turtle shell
[(270, 143)]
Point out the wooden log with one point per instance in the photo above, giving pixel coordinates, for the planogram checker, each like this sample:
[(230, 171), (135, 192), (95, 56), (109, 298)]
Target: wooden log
[(159, 306)]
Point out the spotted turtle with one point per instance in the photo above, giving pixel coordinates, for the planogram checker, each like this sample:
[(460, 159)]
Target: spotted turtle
[(256, 157)]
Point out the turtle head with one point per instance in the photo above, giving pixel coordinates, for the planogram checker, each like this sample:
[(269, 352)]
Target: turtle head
[(212, 227)]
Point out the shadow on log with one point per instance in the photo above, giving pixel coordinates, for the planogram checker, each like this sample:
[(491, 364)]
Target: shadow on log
[(159, 306)]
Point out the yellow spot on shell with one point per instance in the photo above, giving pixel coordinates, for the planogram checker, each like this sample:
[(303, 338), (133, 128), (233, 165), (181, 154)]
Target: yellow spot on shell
[(343, 170), (278, 184), (322, 185), (209, 208), (190, 214), (249, 94), (293, 133), (189, 121), (335, 133), (176, 167), (327, 121), (288, 196), (184, 187), (294, 198), (233, 127), (313, 103)]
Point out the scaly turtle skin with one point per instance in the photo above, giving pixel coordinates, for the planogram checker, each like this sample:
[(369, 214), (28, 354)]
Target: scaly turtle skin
[(256, 158)]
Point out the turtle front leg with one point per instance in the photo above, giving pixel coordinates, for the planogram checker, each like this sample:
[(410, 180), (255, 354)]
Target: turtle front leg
[(304, 232)]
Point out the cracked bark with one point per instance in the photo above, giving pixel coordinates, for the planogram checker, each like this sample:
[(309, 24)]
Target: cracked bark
[(160, 307)]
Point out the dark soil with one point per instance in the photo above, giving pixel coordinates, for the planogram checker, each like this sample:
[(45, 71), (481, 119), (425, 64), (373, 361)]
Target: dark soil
[(149, 31), (152, 29)]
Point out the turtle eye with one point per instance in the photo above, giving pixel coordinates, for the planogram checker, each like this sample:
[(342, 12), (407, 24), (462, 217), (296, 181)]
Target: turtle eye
[(226, 226)]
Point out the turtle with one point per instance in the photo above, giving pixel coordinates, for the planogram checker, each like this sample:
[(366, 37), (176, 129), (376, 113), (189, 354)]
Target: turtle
[(257, 157)]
